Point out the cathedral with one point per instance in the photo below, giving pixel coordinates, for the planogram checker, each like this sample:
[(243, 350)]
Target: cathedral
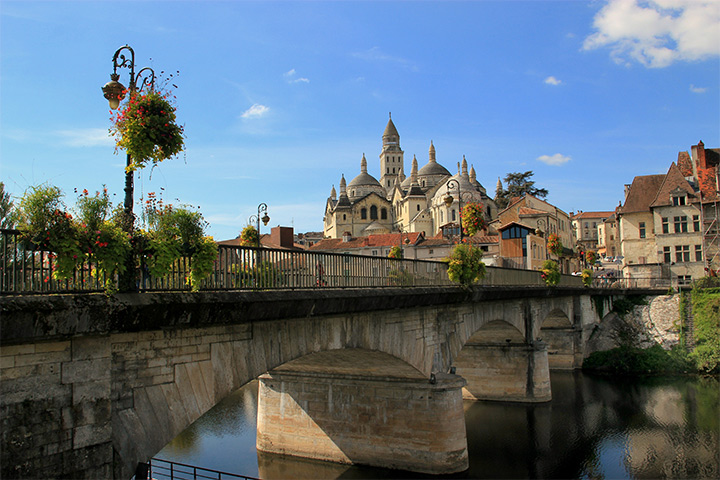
[(427, 202)]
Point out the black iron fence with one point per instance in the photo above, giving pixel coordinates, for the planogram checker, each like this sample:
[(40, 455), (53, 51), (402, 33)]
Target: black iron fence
[(25, 270), (158, 469)]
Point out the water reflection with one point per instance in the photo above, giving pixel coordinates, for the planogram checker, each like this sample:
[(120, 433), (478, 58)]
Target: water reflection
[(593, 428)]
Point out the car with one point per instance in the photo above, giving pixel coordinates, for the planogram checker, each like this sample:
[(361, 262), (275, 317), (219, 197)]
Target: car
[(609, 259)]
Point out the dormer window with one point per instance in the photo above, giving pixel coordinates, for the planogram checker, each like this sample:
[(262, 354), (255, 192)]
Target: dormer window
[(679, 200)]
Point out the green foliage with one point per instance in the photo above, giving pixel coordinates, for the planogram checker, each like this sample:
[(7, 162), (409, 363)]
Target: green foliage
[(262, 275), (177, 233), (517, 185), (623, 305), (630, 360), (587, 277), (706, 319), (707, 282), (249, 237), (401, 278), (7, 209), (395, 252), (40, 214), (88, 238), (145, 127), (465, 264), (550, 272)]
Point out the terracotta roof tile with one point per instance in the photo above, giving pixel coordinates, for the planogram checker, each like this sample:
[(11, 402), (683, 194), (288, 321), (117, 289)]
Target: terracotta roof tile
[(642, 193), (674, 180)]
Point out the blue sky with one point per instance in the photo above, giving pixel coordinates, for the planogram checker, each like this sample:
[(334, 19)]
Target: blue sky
[(279, 99)]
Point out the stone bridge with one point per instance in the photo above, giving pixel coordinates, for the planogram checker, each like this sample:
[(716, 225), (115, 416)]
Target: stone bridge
[(93, 386)]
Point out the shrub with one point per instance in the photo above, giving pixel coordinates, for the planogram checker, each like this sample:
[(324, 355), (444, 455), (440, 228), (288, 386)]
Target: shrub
[(465, 264), (706, 319), (550, 273)]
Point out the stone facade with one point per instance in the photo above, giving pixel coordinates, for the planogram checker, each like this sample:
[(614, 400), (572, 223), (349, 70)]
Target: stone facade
[(398, 203)]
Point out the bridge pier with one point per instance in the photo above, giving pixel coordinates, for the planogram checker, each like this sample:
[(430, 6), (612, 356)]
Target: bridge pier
[(515, 372), (354, 408)]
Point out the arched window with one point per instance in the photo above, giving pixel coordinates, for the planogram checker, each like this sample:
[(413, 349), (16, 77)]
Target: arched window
[(344, 217), (363, 213), (383, 214), (453, 214), (373, 213), (418, 207)]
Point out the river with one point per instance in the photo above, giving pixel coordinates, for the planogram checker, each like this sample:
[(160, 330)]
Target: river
[(595, 427)]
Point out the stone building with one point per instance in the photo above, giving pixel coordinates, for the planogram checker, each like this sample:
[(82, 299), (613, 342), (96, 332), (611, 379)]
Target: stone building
[(428, 201), (585, 225), (524, 227), (668, 224)]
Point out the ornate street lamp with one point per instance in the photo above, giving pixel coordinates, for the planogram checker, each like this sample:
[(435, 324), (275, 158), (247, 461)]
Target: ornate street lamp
[(454, 184), (262, 208), (114, 92)]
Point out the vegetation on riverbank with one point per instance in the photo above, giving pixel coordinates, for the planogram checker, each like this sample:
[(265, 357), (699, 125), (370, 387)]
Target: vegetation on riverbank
[(703, 358)]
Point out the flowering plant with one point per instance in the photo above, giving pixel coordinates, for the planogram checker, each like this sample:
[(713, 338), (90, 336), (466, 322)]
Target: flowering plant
[(591, 257), (146, 129), (550, 272), (178, 232), (587, 277), (554, 245), (473, 219), (465, 264), (395, 252), (249, 236)]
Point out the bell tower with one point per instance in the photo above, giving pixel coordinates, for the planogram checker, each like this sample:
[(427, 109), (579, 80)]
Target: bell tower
[(391, 157)]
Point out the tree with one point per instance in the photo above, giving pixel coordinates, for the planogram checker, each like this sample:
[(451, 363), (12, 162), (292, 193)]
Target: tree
[(7, 210), (517, 185)]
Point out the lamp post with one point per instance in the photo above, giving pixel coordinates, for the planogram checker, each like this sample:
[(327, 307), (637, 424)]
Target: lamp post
[(262, 208), (452, 183), (114, 92)]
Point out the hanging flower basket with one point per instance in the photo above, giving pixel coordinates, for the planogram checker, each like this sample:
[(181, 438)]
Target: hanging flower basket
[(554, 245), (146, 129), (473, 219)]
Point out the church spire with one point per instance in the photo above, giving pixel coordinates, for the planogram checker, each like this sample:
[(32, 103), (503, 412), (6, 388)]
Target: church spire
[(473, 175), (432, 152), (333, 193), (343, 186), (464, 168), (363, 164)]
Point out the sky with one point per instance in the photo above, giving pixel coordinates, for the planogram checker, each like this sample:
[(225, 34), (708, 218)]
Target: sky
[(279, 99)]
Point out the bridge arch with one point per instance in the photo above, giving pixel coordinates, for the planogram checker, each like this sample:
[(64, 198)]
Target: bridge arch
[(559, 333)]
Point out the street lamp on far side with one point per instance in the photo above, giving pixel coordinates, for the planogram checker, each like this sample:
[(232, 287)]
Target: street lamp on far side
[(262, 208)]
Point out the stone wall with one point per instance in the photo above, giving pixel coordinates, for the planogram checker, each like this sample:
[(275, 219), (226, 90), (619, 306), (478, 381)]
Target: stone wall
[(646, 325)]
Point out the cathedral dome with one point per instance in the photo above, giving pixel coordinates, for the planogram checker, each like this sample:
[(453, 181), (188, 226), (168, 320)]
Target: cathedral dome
[(364, 183)]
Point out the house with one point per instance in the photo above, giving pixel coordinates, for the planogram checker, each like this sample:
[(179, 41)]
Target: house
[(524, 227), (668, 225), (585, 227)]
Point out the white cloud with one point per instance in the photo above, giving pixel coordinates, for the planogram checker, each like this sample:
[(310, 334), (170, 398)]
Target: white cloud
[(657, 33), (85, 137), (552, 81), (695, 89), (555, 160), (291, 77), (255, 111)]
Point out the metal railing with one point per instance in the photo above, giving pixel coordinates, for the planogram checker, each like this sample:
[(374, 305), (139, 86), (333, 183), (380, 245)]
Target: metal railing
[(159, 469), (23, 270)]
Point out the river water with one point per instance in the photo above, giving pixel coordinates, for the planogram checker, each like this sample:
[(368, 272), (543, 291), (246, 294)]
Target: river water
[(594, 428)]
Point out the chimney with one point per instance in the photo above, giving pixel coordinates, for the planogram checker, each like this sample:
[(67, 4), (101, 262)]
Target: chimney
[(627, 190), (282, 236), (698, 155)]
